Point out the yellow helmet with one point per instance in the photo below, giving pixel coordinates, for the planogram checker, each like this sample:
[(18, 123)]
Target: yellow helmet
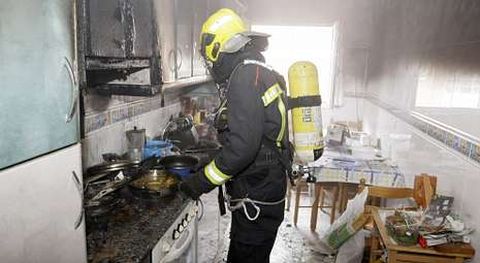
[(223, 31)]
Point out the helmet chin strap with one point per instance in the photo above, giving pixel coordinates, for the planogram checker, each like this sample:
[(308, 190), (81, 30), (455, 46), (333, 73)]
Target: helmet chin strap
[(222, 90)]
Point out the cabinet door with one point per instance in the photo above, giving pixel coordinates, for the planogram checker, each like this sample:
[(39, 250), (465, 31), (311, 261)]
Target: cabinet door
[(184, 23), (141, 32), (41, 210), (199, 16), (120, 28), (38, 92), (106, 36), (164, 16)]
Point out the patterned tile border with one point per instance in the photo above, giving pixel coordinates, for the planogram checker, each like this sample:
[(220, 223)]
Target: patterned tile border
[(454, 139), (126, 111), (131, 106)]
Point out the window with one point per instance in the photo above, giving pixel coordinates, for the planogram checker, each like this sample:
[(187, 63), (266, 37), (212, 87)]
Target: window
[(447, 90), (289, 44)]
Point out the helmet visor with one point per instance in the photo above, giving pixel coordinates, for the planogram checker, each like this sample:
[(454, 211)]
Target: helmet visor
[(206, 40)]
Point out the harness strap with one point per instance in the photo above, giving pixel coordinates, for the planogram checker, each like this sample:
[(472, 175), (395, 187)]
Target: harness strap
[(241, 203), (305, 101)]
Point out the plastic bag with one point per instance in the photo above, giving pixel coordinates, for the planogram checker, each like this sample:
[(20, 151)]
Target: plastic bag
[(352, 250), (348, 223), (157, 148)]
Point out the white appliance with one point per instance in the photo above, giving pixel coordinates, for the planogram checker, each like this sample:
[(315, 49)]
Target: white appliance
[(179, 244), (41, 210)]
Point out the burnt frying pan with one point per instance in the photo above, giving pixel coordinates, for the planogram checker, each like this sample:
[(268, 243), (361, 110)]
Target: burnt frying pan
[(179, 161)]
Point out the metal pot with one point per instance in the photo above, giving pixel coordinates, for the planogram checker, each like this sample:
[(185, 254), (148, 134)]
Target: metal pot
[(154, 183)]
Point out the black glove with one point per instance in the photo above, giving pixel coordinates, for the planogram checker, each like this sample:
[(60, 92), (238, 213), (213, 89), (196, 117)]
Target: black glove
[(192, 187), (196, 185)]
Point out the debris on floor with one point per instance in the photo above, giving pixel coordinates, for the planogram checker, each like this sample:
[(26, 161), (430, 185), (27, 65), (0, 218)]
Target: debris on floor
[(294, 244)]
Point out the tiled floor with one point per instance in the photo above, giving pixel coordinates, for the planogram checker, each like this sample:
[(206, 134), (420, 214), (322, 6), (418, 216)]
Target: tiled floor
[(293, 244)]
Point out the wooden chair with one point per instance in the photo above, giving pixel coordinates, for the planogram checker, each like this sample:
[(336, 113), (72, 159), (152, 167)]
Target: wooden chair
[(375, 194), (319, 201), (422, 193), (424, 189), (382, 192)]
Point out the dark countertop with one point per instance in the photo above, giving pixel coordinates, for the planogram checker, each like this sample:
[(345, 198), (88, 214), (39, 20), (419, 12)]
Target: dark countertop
[(132, 230)]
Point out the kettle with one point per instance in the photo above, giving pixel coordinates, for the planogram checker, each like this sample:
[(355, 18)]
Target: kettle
[(135, 144), (181, 131)]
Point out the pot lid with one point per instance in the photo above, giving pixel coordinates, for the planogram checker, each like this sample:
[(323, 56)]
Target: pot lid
[(109, 167)]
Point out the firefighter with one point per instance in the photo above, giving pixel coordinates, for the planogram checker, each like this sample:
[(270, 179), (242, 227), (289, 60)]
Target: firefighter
[(253, 160)]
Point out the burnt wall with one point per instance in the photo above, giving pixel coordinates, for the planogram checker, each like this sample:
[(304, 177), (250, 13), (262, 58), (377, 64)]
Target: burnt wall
[(434, 44)]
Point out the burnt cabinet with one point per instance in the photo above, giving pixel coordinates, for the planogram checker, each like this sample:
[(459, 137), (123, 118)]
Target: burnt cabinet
[(104, 16), (119, 50), (128, 36), (165, 20), (120, 28), (140, 17), (184, 37)]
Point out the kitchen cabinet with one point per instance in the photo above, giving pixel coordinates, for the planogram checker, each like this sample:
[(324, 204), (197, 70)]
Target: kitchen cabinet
[(179, 23), (120, 28), (184, 37), (39, 91), (164, 15), (105, 16), (41, 211), (199, 16), (120, 49)]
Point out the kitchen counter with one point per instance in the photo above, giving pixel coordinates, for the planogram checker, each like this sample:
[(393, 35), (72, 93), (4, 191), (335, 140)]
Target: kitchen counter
[(132, 230)]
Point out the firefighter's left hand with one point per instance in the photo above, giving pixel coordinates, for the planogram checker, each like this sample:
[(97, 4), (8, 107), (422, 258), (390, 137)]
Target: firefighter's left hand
[(191, 187)]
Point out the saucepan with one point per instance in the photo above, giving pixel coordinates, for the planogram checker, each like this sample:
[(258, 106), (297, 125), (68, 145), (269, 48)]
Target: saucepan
[(154, 183), (181, 165)]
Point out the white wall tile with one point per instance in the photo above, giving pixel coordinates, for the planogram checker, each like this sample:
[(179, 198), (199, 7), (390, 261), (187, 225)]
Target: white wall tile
[(112, 139)]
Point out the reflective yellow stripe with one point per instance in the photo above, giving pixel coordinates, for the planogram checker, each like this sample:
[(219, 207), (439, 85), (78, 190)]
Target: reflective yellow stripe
[(271, 94), (214, 175), (283, 112)]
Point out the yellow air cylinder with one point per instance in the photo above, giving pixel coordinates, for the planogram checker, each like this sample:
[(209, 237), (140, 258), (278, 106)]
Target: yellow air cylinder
[(306, 111)]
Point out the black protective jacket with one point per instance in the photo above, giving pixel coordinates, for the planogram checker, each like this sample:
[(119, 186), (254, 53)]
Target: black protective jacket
[(249, 160)]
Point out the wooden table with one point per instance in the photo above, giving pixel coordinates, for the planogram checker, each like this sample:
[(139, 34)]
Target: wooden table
[(399, 253), (341, 173)]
